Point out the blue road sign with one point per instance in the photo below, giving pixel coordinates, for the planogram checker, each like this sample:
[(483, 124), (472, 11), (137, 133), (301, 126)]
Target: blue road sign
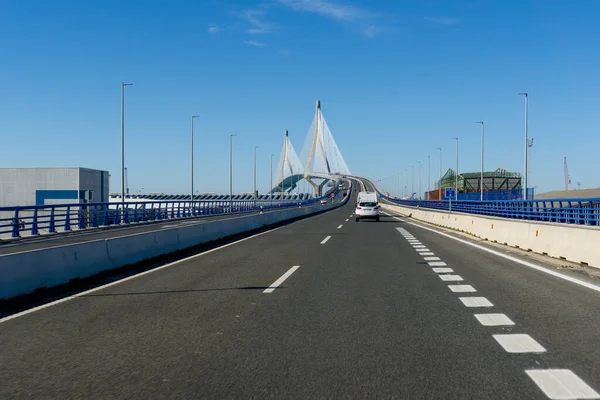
[(450, 193)]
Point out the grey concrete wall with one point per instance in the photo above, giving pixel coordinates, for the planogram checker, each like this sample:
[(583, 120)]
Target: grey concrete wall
[(95, 180), (18, 185)]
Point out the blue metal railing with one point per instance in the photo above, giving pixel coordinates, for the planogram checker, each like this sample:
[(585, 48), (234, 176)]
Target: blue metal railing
[(564, 211), (35, 220)]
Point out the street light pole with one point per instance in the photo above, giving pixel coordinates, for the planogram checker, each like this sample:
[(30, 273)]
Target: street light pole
[(526, 138), (440, 184), (482, 137), (419, 179), (123, 84), (271, 196), (231, 171), (412, 180), (456, 172), (428, 176), (192, 166), (255, 194)]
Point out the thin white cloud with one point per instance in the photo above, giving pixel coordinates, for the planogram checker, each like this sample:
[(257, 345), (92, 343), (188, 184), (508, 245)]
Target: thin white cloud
[(254, 43), (328, 8), (359, 19), (443, 20), (255, 17), (370, 31), (213, 28), (284, 52)]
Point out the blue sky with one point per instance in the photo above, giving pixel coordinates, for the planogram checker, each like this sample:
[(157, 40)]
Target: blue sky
[(396, 80)]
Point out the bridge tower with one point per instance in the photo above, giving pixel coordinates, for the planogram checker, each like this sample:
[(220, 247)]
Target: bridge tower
[(317, 145)]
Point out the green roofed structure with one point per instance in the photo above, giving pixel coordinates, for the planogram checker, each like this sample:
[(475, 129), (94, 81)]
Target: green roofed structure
[(499, 179)]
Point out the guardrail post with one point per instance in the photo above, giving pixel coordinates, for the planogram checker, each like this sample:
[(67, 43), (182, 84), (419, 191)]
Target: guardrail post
[(81, 222), (143, 212), (16, 225), (34, 222), (68, 219), (179, 210), (94, 216), (51, 226)]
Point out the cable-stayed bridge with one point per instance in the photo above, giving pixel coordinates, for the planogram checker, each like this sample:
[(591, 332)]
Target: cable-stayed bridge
[(323, 160)]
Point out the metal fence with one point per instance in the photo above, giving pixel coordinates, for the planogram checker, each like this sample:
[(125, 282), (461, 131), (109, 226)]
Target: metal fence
[(496, 195), (564, 211), (35, 220)]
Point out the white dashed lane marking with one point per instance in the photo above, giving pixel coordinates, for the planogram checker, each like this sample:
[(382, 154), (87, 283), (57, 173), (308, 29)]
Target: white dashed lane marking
[(476, 302), (450, 278), (432, 259), (428, 254), (423, 250), (279, 281), (561, 384), (325, 240), (442, 270), (493, 319), (340, 227), (437, 264), (462, 288), (519, 343), (418, 246)]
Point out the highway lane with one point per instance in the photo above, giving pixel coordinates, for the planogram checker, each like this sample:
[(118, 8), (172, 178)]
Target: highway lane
[(363, 315)]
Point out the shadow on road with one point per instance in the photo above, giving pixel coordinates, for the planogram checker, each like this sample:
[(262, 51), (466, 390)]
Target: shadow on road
[(177, 291)]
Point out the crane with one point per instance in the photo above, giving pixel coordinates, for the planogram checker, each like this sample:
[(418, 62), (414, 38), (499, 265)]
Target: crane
[(567, 176)]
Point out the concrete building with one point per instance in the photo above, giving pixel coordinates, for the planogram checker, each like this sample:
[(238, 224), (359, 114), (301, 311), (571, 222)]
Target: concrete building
[(39, 186)]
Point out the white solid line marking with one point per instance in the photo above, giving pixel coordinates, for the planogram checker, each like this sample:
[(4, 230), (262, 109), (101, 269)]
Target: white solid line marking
[(339, 227), (53, 303), (442, 270), (432, 259), (519, 343), (561, 384), (514, 259), (461, 288), (325, 240), (450, 278), (476, 302), (437, 264), (279, 281), (428, 254), (493, 319)]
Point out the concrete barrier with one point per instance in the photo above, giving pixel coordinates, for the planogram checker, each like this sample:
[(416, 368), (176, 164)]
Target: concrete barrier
[(574, 243), (22, 273)]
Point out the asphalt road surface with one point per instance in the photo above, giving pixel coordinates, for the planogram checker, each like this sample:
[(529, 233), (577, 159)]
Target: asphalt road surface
[(322, 308)]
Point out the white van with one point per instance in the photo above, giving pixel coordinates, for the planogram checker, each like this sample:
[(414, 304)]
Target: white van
[(367, 206)]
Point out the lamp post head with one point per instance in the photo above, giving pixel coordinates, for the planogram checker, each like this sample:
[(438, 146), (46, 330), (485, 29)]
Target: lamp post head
[(126, 84), (479, 122), (195, 116), (522, 94)]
